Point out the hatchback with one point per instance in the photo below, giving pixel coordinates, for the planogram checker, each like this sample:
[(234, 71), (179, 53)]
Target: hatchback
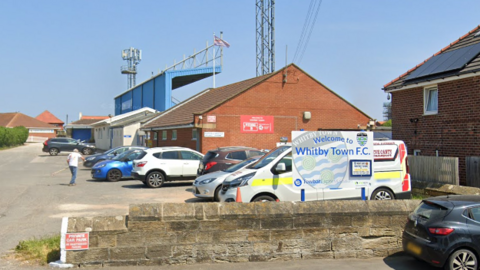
[(224, 157), (109, 154), (117, 168), (445, 231), (162, 164)]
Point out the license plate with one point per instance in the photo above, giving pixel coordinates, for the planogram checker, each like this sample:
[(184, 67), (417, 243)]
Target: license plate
[(414, 248)]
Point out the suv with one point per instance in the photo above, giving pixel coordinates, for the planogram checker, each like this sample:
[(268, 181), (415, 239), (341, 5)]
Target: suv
[(224, 157), (56, 145), (108, 155), (161, 164)]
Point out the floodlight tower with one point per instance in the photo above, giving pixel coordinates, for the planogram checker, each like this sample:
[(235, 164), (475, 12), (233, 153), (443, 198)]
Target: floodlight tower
[(133, 56), (265, 26)]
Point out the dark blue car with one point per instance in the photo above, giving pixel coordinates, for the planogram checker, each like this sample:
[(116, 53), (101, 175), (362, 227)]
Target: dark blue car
[(109, 154), (117, 168)]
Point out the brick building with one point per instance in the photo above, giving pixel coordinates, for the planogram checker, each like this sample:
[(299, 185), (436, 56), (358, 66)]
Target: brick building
[(257, 112), (436, 105)]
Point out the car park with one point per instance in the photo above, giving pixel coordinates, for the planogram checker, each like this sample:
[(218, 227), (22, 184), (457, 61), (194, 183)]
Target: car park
[(161, 164), (223, 157), (54, 146), (117, 168), (210, 184), (109, 154), (445, 232)]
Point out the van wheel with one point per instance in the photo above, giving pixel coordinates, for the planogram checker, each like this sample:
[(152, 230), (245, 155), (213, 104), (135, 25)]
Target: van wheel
[(462, 259), (216, 197), (155, 179), (264, 198), (382, 194)]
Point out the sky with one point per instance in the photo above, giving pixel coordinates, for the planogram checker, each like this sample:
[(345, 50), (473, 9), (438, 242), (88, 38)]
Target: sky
[(65, 56)]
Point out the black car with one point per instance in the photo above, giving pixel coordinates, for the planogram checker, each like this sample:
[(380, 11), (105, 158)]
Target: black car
[(224, 157), (109, 154), (57, 145), (445, 231)]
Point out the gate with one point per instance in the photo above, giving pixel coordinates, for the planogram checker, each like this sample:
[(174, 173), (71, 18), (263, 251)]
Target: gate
[(473, 171)]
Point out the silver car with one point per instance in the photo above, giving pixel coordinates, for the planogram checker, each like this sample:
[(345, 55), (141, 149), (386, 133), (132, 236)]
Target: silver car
[(210, 184)]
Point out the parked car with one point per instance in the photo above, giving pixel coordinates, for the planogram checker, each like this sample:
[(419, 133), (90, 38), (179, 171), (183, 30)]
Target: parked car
[(209, 185), (117, 168), (109, 154), (162, 164), (224, 157), (57, 145), (445, 231)]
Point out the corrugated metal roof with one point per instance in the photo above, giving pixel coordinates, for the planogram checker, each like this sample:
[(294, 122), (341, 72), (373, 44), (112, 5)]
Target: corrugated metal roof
[(120, 117)]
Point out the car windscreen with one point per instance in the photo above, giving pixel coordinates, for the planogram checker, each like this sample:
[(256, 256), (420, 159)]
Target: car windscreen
[(240, 165), (122, 155), (429, 210), (111, 150), (269, 157)]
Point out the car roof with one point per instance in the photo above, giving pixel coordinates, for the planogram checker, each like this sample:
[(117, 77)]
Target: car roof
[(457, 200), (164, 148), (232, 148)]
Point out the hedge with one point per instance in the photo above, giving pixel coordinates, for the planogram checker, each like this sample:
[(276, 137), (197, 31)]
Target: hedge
[(13, 136)]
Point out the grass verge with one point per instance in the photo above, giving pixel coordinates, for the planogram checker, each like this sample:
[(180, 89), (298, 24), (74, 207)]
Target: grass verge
[(39, 251)]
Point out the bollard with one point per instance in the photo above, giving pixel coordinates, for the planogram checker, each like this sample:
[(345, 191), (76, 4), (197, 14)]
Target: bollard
[(303, 195), (363, 194)]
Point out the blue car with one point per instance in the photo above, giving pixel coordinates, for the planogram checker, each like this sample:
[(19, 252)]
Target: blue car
[(117, 168), (109, 154)]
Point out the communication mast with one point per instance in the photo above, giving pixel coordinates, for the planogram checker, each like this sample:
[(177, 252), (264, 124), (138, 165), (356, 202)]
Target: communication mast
[(265, 26), (133, 56)]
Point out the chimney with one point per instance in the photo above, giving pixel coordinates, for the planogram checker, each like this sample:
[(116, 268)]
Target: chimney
[(80, 116)]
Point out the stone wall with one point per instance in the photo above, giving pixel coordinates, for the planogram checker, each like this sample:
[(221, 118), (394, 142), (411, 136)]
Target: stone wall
[(168, 233), (435, 189)]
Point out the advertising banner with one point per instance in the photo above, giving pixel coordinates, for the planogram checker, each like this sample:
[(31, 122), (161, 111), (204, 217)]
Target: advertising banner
[(327, 159), (256, 124)]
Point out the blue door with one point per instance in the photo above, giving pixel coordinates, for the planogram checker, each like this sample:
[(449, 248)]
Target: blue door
[(83, 134)]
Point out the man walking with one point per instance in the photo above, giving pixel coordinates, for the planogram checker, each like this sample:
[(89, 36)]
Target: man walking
[(72, 161)]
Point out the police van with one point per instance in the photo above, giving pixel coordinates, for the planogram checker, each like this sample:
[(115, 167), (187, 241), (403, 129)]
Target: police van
[(323, 165)]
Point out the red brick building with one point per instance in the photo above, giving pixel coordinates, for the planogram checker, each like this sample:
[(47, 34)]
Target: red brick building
[(257, 112), (436, 105)]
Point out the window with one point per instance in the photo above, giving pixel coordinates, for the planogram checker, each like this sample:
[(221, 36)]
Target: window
[(170, 155), (240, 155), (190, 155), (164, 135), (416, 152), (256, 153), (155, 136), (194, 134), (431, 100), (174, 134)]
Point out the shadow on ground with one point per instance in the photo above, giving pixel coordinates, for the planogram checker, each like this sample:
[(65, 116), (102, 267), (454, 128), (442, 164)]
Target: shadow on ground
[(402, 261)]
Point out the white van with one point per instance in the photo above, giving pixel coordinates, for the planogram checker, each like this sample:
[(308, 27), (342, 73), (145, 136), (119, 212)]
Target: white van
[(271, 178)]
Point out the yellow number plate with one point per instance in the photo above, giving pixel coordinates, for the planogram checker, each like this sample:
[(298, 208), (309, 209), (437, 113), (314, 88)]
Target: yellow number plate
[(414, 248)]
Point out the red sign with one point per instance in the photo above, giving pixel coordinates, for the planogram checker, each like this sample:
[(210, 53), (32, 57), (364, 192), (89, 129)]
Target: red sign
[(76, 241), (211, 118), (256, 124)]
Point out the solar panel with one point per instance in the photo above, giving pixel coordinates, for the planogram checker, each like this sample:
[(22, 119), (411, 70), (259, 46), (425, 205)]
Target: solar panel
[(448, 61)]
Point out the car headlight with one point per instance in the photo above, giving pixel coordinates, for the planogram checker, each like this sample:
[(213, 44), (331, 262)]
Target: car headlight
[(90, 158), (101, 166), (241, 181), (206, 181)]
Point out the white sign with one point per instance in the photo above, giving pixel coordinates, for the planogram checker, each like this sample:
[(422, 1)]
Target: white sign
[(41, 131), (326, 159), (214, 134)]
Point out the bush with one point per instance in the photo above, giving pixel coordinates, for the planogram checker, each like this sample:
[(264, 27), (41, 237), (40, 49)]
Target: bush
[(13, 136)]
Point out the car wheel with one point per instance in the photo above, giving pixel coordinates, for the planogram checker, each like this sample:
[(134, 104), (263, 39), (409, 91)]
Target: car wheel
[(155, 179), (264, 198), (462, 259), (114, 175), (216, 195), (53, 151), (382, 194), (87, 151)]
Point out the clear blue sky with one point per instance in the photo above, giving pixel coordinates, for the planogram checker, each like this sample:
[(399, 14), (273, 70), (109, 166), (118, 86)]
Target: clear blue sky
[(65, 56)]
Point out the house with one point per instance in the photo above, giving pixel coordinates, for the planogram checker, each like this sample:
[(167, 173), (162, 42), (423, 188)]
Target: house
[(38, 130), (122, 129), (51, 119), (436, 104), (258, 112), (82, 129)]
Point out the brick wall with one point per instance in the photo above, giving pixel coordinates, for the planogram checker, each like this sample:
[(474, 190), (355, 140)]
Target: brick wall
[(156, 234), (286, 102), (454, 131)]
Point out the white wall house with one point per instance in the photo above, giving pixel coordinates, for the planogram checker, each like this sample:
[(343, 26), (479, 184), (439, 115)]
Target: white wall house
[(121, 130)]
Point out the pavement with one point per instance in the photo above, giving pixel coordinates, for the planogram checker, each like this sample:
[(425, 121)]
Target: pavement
[(34, 196)]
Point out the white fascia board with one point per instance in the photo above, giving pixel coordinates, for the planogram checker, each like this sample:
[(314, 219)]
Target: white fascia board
[(169, 127)]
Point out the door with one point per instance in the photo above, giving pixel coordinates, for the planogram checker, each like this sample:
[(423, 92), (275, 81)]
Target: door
[(172, 162), (191, 160), (127, 165), (283, 183), (71, 144)]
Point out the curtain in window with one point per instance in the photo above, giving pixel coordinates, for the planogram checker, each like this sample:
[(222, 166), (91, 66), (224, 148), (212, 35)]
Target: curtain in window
[(432, 104)]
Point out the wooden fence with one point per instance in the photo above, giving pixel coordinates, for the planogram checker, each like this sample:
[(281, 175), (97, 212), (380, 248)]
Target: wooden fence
[(439, 170), (473, 171)]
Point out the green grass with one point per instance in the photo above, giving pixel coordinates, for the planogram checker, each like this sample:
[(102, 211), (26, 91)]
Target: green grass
[(39, 251), (419, 196)]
